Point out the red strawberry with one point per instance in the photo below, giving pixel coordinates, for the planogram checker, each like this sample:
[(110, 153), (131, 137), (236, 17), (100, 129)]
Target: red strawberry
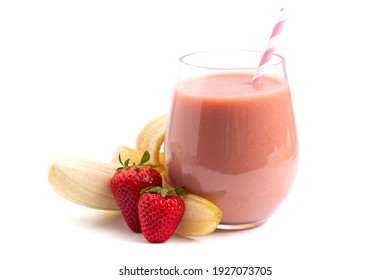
[(127, 183), (160, 212)]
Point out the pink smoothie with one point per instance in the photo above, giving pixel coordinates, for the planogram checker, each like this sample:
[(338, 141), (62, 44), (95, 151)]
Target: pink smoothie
[(232, 144)]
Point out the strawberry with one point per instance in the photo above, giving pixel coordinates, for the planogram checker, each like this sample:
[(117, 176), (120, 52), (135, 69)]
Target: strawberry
[(127, 183), (160, 212)]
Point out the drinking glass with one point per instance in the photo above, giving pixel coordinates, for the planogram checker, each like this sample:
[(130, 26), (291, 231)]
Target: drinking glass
[(228, 141)]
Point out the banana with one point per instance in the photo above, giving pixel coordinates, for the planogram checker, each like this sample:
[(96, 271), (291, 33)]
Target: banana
[(84, 182), (151, 138), (87, 182), (201, 216)]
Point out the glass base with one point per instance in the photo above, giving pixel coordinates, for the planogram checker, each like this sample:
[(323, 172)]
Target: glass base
[(226, 226)]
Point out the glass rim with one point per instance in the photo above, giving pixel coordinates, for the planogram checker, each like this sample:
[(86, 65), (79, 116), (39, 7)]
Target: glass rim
[(183, 58)]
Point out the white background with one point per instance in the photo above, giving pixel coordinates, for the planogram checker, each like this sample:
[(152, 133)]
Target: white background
[(82, 77)]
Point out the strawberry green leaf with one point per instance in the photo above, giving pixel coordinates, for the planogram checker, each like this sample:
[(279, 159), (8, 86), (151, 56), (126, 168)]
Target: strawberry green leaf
[(180, 191), (120, 159), (152, 189), (163, 191), (145, 158)]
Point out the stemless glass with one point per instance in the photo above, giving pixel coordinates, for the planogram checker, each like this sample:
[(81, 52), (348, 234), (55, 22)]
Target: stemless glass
[(229, 142)]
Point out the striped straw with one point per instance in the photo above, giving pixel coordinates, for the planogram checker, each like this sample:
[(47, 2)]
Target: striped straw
[(270, 49)]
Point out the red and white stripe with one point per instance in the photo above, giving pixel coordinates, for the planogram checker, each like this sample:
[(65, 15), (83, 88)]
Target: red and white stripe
[(270, 48)]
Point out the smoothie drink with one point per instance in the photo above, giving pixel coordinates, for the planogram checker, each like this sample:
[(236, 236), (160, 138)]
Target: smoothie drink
[(233, 144)]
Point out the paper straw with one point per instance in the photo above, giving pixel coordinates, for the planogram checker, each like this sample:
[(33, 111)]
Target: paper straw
[(270, 48)]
